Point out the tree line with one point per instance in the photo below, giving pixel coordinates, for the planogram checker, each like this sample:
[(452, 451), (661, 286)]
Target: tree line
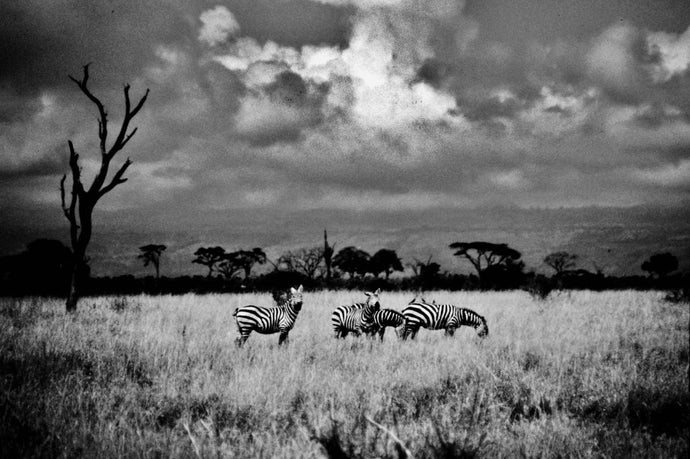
[(46, 266)]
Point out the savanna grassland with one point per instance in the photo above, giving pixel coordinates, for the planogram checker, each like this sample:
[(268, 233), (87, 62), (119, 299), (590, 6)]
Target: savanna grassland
[(581, 374)]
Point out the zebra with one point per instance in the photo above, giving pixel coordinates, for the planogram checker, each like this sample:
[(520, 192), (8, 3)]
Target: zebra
[(440, 316), (387, 318), (269, 320), (356, 318)]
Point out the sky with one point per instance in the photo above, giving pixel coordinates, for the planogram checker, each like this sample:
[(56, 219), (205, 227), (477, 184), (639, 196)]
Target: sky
[(374, 105)]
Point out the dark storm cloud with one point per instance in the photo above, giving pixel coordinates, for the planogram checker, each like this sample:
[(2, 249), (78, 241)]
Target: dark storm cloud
[(280, 110), (358, 101), (42, 42)]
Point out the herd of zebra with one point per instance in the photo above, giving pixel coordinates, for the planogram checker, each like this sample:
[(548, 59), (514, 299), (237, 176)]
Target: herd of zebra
[(360, 318)]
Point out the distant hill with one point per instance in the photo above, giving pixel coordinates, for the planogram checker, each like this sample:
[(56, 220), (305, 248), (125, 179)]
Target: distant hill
[(616, 240)]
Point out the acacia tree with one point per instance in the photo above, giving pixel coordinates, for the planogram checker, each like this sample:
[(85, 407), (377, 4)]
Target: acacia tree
[(151, 254), (660, 264), (560, 261), (79, 209), (246, 259), (228, 268), (485, 255), (385, 261), (425, 272), (352, 260), (209, 257)]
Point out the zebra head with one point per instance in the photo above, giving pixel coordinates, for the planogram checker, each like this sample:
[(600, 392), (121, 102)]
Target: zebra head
[(294, 298), (482, 328), (372, 303)]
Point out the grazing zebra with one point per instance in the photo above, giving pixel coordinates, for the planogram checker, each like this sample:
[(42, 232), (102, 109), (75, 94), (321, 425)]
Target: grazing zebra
[(269, 320), (356, 318), (387, 318), (440, 316)]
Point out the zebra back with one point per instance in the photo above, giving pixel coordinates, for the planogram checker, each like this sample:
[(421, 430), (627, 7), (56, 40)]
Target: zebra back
[(388, 318)]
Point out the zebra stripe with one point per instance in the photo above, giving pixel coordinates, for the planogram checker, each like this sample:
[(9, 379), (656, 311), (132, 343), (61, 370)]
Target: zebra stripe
[(434, 316), (266, 321), (355, 318), (387, 318)]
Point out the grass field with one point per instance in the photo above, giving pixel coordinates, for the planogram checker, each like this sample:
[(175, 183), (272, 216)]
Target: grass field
[(581, 374)]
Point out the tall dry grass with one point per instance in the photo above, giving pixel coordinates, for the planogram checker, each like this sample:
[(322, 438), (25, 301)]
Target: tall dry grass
[(582, 374)]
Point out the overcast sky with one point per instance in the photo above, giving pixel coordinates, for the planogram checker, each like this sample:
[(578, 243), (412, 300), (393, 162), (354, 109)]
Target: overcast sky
[(353, 104)]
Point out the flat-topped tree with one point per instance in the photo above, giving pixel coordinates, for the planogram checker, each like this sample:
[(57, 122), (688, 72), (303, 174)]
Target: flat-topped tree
[(660, 264), (385, 261), (209, 257), (484, 255), (151, 254), (79, 207)]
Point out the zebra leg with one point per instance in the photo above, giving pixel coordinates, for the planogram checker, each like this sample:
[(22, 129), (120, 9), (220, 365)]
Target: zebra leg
[(411, 332), (283, 337), (381, 332), (242, 338)]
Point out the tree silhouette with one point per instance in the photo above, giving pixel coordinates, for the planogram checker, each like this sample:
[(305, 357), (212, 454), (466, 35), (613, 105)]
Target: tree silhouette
[(660, 264), (560, 261), (228, 268), (151, 254), (307, 261), (385, 261), (209, 257), (246, 259), (425, 272), (327, 254), (352, 260), (82, 202), (485, 255)]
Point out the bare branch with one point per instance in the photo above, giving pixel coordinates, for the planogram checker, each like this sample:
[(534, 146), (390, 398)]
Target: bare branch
[(123, 137), (131, 134), (62, 194), (76, 170), (103, 121), (117, 178)]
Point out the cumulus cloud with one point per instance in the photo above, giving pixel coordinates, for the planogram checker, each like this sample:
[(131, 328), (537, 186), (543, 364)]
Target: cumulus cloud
[(615, 61), (373, 80), (217, 25), (674, 53)]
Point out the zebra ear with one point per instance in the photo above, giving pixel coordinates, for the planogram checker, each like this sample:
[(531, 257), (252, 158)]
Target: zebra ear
[(368, 293), (377, 292), (299, 290)]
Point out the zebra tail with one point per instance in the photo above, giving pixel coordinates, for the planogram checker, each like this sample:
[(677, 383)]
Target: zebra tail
[(234, 313)]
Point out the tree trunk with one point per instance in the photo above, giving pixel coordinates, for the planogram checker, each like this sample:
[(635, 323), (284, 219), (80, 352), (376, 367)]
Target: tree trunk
[(75, 277), (72, 296)]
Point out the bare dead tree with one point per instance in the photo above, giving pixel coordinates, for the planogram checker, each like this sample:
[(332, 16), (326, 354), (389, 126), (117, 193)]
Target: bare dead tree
[(327, 254), (79, 209), (308, 261)]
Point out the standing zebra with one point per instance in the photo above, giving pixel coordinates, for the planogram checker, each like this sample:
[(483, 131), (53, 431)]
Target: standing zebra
[(356, 318), (440, 316), (387, 318), (269, 320)]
